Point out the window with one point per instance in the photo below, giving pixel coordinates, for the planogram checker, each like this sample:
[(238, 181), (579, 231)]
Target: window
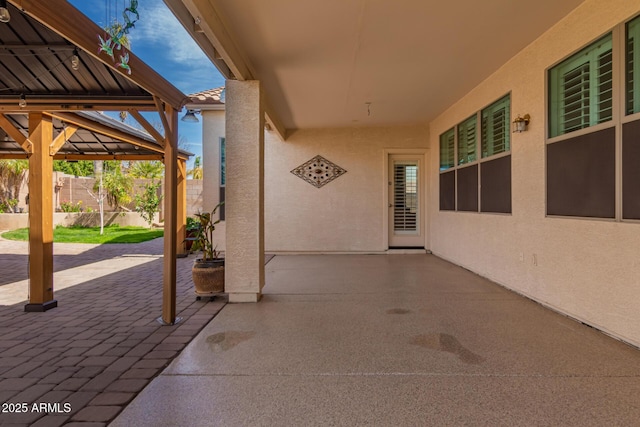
[(581, 89), (223, 177), (631, 130), (447, 154), (467, 140), (496, 128), (585, 176), (473, 184), (223, 162), (447, 161), (633, 67)]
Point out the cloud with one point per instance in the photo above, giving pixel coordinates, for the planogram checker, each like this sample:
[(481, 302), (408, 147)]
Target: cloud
[(161, 42), (158, 28), (198, 79)]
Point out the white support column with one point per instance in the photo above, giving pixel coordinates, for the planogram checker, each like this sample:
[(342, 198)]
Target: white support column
[(244, 265)]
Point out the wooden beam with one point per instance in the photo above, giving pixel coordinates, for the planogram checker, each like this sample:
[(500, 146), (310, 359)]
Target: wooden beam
[(92, 126), (59, 141), (57, 16), (63, 156), (170, 218), (14, 156), (40, 215), (60, 105), (15, 134), (182, 168), (163, 116), (147, 126), (181, 205)]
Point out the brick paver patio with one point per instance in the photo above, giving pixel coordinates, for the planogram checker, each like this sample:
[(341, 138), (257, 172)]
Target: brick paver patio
[(83, 361)]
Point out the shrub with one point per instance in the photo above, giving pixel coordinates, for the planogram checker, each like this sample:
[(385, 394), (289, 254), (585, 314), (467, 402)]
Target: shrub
[(148, 203), (67, 206)]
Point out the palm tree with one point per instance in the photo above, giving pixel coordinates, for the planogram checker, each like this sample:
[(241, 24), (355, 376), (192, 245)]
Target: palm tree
[(196, 172), (152, 169)]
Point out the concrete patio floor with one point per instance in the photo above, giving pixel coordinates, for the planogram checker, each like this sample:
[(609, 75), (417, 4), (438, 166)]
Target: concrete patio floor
[(102, 344), (391, 340)]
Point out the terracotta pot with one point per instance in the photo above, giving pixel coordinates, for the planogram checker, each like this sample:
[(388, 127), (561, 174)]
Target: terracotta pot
[(208, 277)]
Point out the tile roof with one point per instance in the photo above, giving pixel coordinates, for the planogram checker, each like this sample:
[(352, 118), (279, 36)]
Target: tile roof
[(207, 97)]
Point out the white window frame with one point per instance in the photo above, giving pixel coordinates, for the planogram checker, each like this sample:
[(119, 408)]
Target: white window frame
[(503, 103), (587, 56), (478, 147), (620, 115)]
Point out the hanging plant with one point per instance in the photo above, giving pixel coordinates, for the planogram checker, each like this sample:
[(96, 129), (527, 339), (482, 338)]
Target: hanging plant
[(116, 36)]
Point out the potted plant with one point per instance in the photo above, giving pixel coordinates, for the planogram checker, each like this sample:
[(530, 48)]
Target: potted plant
[(208, 269), (193, 226)]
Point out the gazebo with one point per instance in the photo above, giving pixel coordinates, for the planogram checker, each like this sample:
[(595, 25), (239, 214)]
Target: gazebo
[(52, 81)]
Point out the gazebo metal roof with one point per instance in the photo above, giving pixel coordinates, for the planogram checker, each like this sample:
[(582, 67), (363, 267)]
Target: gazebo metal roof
[(36, 47), (99, 137)]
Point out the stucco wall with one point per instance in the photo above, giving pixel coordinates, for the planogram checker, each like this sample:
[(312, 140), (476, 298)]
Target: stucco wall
[(14, 221), (213, 128), (588, 269), (74, 190), (345, 214)]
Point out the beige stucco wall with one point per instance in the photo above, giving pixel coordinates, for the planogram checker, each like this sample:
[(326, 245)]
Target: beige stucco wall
[(345, 215), (66, 219), (588, 269), (213, 128)]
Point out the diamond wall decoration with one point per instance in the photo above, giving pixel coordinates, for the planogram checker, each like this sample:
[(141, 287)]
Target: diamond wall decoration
[(318, 171)]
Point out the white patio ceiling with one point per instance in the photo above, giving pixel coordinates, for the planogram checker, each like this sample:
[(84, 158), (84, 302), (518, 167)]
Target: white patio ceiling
[(322, 61)]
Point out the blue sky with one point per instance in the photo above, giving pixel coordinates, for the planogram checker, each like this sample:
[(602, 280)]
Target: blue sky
[(161, 41)]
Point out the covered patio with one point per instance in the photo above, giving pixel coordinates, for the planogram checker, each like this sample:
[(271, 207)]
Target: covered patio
[(398, 340), (418, 105)]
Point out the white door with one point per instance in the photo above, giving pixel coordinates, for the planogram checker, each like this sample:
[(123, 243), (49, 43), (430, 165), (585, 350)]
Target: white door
[(406, 225)]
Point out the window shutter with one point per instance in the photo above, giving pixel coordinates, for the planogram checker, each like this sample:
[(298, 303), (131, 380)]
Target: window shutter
[(633, 67), (223, 177), (605, 86), (581, 89), (447, 154), (467, 141), (223, 161), (405, 197), (575, 95), (496, 127)]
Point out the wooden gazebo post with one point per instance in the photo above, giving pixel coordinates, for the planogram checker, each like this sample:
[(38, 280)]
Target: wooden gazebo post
[(40, 214), (170, 120), (181, 207)]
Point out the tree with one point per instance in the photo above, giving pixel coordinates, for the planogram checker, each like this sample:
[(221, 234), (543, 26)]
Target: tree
[(12, 174), (79, 168), (148, 203), (196, 172), (117, 184), (100, 195), (152, 169)]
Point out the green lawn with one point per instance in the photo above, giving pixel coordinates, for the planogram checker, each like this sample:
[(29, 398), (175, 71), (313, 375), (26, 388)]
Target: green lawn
[(112, 234)]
